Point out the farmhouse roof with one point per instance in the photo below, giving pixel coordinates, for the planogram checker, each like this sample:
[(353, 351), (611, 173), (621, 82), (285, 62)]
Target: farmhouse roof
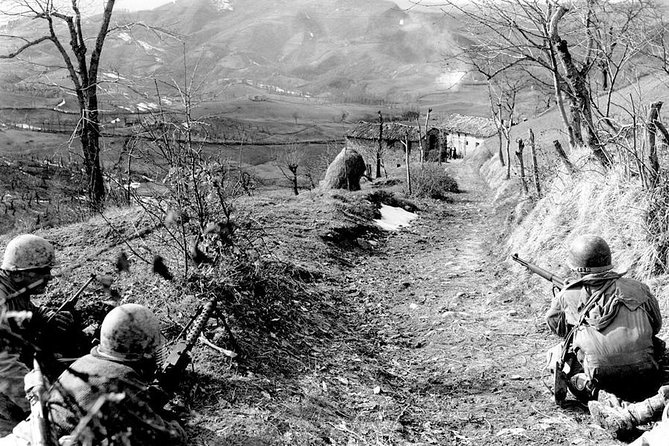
[(392, 131), (471, 125)]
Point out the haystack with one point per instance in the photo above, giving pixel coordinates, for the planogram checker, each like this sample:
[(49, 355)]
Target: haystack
[(345, 171)]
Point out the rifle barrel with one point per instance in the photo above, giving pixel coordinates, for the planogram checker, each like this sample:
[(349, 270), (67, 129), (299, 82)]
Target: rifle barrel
[(556, 280), (73, 299)]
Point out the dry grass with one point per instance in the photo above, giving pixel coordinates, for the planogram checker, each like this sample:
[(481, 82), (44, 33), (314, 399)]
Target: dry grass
[(608, 204), (291, 316)]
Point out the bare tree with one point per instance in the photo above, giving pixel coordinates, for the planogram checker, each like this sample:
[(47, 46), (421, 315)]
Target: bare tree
[(563, 47), (63, 29), (288, 161)]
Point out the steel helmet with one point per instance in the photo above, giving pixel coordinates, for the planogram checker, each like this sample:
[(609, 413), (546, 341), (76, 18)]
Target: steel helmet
[(589, 254), (130, 332), (26, 252)]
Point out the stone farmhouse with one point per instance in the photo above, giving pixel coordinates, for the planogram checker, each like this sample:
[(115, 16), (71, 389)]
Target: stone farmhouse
[(453, 137), (364, 138), (460, 134)]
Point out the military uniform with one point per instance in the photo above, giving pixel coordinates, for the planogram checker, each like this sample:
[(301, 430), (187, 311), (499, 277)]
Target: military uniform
[(106, 394), (27, 258), (614, 320), (136, 418), (12, 368)]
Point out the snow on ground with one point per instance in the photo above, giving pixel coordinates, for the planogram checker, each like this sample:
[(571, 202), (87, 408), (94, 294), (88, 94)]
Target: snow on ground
[(393, 218)]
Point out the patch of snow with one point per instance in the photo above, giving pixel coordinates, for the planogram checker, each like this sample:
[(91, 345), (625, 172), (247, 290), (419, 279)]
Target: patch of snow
[(125, 37), (143, 106), (148, 47), (113, 76), (393, 218)]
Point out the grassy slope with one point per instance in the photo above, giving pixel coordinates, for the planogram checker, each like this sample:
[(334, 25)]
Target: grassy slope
[(288, 387), (606, 203)]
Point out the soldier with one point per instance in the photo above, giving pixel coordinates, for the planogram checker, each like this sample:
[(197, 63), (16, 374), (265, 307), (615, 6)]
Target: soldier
[(25, 271), (609, 324), (107, 393)]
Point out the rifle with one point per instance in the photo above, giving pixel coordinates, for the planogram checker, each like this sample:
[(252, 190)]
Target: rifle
[(558, 282), (70, 303), (35, 388)]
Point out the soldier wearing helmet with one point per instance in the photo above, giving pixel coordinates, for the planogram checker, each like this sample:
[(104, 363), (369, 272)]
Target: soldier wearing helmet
[(609, 323), (25, 271), (115, 377)]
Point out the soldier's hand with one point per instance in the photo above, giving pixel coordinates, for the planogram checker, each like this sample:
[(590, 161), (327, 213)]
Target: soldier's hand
[(61, 322)]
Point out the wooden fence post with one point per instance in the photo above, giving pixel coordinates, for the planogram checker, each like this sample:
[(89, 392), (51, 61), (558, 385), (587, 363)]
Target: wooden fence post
[(407, 148), (519, 155), (535, 165)]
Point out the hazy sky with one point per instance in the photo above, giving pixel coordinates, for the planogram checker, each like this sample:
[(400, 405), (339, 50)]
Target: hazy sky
[(136, 5)]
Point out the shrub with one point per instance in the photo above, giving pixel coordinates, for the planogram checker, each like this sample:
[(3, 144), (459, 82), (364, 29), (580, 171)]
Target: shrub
[(432, 181)]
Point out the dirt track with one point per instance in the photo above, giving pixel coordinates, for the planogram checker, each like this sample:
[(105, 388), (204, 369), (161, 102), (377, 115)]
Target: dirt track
[(463, 351)]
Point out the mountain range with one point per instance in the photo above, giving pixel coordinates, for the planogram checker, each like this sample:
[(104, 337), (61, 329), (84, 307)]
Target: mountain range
[(369, 52)]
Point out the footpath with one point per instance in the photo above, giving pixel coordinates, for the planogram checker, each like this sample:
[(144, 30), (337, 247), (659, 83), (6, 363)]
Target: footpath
[(463, 348)]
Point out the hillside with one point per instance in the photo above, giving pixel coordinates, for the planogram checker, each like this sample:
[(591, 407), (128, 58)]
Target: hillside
[(425, 335), (343, 50)]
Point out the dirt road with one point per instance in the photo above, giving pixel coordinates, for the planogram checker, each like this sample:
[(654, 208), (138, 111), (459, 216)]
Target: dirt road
[(464, 350)]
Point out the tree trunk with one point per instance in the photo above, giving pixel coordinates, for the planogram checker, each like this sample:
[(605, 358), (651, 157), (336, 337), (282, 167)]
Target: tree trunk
[(508, 156), (653, 161), (558, 90), (579, 90), (521, 163), (535, 165), (90, 145)]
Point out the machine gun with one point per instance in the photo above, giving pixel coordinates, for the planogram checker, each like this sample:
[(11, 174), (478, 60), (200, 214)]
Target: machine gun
[(558, 282), (178, 357)]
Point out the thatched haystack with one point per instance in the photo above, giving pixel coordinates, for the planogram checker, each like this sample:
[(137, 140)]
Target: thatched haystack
[(345, 171)]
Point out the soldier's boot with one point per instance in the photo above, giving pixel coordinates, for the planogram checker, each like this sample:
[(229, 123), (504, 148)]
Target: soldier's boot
[(622, 420), (616, 420), (650, 408)]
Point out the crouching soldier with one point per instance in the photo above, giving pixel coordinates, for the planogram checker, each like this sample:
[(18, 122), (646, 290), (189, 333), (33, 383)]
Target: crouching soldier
[(106, 395), (25, 271), (609, 324)]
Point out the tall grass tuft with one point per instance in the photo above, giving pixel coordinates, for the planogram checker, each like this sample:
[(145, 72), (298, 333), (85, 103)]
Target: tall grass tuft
[(657, 221)]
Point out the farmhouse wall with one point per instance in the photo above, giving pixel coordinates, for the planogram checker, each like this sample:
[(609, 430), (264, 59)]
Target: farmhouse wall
[(393, 155)]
